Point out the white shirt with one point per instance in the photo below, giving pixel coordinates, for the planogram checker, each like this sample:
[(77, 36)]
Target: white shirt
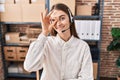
[(60, 60)]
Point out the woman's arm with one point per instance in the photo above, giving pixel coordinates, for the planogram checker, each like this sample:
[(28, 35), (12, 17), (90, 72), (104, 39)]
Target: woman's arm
[(36, 54)]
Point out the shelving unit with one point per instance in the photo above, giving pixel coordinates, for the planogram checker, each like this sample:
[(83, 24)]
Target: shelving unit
[(14, 75), (95, 50)]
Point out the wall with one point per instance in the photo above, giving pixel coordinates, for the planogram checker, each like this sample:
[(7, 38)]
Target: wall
[(111, 18), (1, 66)]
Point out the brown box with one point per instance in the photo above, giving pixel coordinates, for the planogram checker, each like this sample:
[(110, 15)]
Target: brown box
[(31, 12), (12, 37), (10, 53), (95, 70), (69, 3), (12, 1), (38, 1), (21, 69), (33, 1), (12, 13), (84, 10), (21, 53), (33, 32)]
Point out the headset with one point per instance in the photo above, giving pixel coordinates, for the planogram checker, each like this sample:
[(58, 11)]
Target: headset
[(70, 14), (71, 20)]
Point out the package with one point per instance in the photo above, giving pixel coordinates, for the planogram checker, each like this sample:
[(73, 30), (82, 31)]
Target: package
[(84, 10), (24, 40), (12, 1), (10, 53), (21, 69), (12, 37), (69, 3), (13, 68), (31, 12), (21, 53), (33, 32), (12, 11)]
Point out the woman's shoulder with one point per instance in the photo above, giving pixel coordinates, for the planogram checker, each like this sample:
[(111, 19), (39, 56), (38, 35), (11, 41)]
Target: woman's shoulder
[(80, 41), (51, 38)]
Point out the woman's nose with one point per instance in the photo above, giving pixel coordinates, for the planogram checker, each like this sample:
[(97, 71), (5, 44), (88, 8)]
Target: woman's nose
[(58, 22)]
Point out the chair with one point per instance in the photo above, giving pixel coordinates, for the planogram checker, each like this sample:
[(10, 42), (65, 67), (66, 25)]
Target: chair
[(37, 75)]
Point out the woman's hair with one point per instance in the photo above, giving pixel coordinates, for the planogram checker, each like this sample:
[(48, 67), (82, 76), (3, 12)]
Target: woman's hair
[(65, 9)]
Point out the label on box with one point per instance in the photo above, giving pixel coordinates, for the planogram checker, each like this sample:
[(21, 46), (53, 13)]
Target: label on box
[(2, 1), (17, 0), (2, 8), (34, 1), (7, 38)]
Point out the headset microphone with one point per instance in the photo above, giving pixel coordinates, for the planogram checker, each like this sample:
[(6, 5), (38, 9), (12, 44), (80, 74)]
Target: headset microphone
[(65, 30)]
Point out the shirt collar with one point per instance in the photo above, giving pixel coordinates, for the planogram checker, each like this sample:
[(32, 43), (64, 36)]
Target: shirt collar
[(62, 42)]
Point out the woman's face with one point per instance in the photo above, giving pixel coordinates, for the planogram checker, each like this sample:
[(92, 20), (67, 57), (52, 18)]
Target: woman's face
[(62, 20)]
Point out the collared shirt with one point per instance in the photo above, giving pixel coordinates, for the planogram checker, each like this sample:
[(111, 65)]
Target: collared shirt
[(60, 60)]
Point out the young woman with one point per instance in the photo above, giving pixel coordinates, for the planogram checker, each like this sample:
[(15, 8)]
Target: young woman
[(62, 55)]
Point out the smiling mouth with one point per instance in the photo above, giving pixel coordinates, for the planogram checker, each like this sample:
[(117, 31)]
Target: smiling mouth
[(60, 27)]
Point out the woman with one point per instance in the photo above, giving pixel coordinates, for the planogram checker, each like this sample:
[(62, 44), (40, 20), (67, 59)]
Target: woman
[(63, 56)]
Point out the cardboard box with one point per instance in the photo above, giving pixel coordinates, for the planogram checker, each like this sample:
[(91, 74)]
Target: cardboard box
[(12, 37), (12, 13), (10, 53), (84, 10), (33, 32), (69, 3), (12, 1), (33, 1), (21, 69), (38, 1), (2, 1), (21, 53), (95, 70), (13, 68), (31, 12)]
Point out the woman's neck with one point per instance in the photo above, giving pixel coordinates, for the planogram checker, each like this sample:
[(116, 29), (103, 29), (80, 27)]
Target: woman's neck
[(65, 36)]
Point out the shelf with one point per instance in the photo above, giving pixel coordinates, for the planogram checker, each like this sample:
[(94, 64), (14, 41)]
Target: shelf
[(23, 45), (87, 17), (20, 75), (20, 22), (91, 40)]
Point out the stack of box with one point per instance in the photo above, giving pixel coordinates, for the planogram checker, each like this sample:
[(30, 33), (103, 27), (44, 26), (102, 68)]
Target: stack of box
[(12, 11), (84, 10), (33, 32), (23, 10), (17, 68), (15, 53), (69, 3), (12, 38), (31, 10), (10, 53)]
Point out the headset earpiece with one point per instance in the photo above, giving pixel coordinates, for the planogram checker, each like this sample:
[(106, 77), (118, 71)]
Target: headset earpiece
[(71, 18)]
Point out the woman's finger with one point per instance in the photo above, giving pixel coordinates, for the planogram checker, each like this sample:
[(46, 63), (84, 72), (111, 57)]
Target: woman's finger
[(50, 13), (45, 13), (41, 16), (53, 25)]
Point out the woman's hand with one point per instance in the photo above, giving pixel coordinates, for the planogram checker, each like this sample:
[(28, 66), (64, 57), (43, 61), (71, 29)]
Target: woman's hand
[(45, 21)]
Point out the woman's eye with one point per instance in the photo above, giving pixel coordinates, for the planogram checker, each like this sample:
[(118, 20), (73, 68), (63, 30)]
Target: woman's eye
[(62, 18), (52, 20)]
